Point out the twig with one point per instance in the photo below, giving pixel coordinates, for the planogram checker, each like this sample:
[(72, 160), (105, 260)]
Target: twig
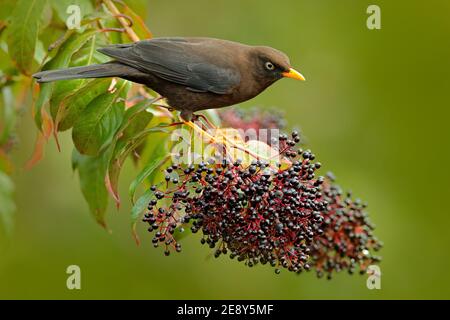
[(112, 30), (123, 21), (130, 20)]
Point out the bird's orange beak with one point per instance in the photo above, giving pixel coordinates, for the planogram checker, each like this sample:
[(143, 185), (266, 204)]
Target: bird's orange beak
[(294, 74)]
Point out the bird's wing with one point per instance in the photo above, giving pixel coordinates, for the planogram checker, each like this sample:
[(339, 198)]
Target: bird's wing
[(179, 61)]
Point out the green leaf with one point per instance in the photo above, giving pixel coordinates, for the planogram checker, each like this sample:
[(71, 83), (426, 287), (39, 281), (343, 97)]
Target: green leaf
[(23, 33), (113, 37), (40, 53), (42, 102), (140, 205), (7, 207), (88, 54), (157, 145), (73, 104), (154, 163), (135, 120), (46, 16), (65, 88), (122, 148), (91, 171), (157, 155), (61, 90), (97, 124), (61, 60), (7, 8), (7, 114)]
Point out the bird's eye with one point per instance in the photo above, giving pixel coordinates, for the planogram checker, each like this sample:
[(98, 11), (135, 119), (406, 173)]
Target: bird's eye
[(269, 66)]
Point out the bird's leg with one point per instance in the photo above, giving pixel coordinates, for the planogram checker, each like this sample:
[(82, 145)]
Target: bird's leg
[(186, 115)]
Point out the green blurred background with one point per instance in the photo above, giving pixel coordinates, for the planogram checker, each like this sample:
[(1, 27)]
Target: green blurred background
[(374, 109)]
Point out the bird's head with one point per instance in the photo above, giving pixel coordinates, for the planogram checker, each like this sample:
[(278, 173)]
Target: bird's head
[(270, 65)]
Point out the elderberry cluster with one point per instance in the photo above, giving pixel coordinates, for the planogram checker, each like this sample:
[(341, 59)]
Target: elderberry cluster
[(348, 241), (263, 217), (284, 216)]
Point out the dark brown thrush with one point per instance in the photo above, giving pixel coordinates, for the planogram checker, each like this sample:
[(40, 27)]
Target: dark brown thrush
[(192, 73)]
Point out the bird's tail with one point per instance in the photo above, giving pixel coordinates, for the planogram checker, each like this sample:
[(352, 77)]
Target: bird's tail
[(104, 70)]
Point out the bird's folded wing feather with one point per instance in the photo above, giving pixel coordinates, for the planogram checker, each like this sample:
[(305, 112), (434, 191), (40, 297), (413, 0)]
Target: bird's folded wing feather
[(176, 61)]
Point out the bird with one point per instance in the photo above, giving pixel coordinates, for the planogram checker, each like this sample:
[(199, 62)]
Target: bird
[(192, 73)]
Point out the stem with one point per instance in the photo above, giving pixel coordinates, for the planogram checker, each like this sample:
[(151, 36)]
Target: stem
[(123, 21)]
